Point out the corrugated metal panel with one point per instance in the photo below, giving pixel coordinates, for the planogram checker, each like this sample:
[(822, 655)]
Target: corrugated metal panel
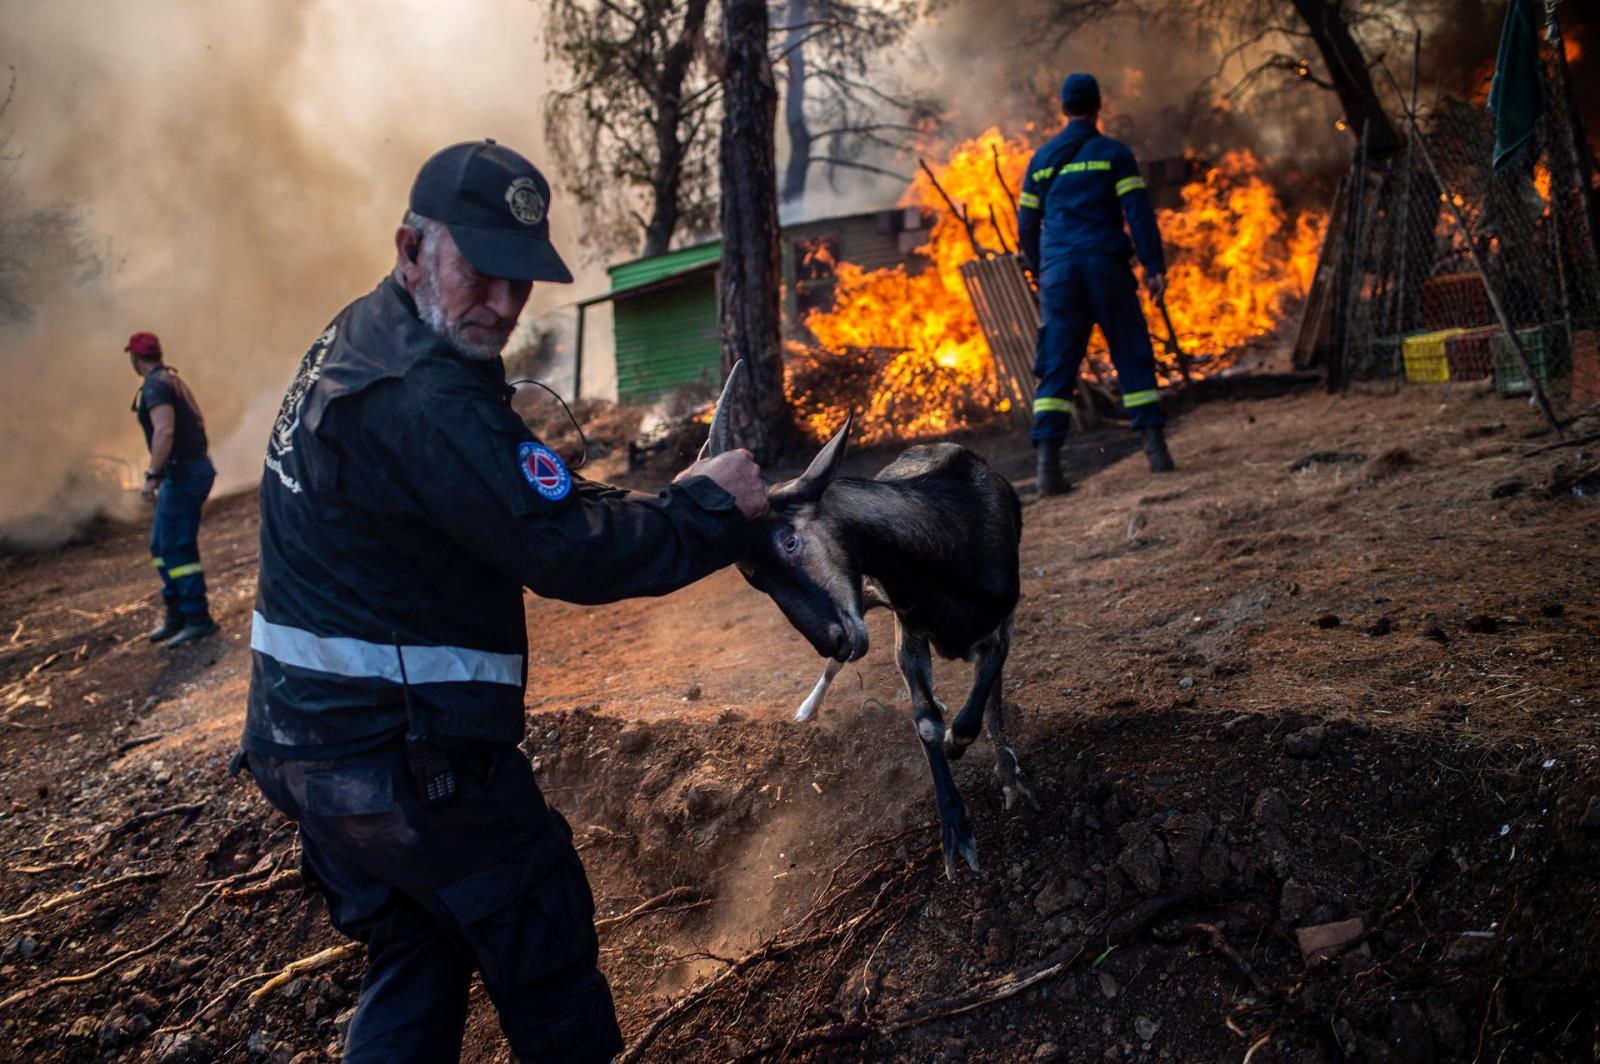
[(667, 339), (640, 272)]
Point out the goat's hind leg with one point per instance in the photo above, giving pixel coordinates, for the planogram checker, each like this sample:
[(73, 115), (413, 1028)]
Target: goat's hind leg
[(1014, 782), (916, 665)]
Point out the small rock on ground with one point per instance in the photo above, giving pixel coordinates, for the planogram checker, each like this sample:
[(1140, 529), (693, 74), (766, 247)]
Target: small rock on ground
[(1307, 742), (1325, 941), (1296, 899), (1271, 808)]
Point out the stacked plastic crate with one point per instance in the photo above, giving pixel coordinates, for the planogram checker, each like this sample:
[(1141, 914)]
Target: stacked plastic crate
[(1470, 354), (1545, 347), (1424, 356)]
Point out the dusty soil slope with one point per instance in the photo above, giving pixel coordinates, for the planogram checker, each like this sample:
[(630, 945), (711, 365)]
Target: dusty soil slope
[(1341, 667)]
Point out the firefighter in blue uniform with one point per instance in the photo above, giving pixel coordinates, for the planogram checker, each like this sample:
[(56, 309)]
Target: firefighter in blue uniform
[(178, 480), (404, 508), (1078, 189)]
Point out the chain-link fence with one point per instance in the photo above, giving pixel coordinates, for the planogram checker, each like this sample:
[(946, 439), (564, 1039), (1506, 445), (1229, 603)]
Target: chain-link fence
[(1419, 305)]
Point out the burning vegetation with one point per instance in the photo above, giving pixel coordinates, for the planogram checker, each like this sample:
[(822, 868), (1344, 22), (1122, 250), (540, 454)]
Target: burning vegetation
[(903, 347)]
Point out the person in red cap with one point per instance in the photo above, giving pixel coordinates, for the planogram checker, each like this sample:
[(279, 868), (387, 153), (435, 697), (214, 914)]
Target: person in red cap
[(177, 480)]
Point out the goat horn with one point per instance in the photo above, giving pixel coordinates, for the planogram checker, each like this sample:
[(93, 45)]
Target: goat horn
[(720, 438)]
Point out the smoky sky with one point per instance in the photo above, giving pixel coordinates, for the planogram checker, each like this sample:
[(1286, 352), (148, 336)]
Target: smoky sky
[(243, 166)]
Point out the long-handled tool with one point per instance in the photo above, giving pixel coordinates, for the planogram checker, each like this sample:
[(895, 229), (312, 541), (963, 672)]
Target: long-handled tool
[(1173, 346)]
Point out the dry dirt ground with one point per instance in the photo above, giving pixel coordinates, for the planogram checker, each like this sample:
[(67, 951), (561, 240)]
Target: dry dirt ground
[(1339, 670)]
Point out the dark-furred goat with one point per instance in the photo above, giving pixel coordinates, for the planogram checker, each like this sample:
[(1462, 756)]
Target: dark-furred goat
[(933, 537)]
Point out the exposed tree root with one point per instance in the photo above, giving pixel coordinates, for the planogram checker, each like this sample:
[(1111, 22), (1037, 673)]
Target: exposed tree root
[(223, 995), (289, 877), (330, 956), (979, 994), (769, 951), (61, 901), (132, 823), (184, 921), (891, 875), (136, 742), (675, 900)]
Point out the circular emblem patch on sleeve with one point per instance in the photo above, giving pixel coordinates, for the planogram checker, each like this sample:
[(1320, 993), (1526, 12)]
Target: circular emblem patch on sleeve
[(542, 468)]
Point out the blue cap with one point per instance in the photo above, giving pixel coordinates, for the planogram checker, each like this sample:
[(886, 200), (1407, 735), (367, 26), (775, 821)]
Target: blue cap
[(1080, 92)]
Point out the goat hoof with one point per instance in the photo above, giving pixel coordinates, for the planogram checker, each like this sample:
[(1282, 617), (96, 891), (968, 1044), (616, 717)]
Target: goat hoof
[(1013, 781), (958, 841), (1018, 788)]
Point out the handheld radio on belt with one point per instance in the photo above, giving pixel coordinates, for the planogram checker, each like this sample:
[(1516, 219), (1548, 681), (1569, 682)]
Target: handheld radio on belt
[(431, 770)]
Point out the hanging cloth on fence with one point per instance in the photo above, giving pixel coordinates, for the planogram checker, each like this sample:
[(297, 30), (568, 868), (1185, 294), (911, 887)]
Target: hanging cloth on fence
[(1516, 96)]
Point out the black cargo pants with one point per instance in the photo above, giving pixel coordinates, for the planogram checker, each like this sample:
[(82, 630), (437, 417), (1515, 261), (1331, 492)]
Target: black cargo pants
[(489, 882)]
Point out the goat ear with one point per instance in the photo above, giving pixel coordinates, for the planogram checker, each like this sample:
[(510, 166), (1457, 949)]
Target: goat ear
[(820, 473)]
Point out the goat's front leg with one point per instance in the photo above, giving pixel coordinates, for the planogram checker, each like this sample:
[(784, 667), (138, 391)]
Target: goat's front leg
[(813, 702), (916, 665), (991, 661)]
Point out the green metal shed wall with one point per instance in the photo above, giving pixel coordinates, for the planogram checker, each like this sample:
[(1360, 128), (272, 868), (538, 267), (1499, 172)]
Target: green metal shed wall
[(667, 338)]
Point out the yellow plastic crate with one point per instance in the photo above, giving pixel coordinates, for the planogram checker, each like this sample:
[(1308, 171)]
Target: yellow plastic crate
[(1425, 358)]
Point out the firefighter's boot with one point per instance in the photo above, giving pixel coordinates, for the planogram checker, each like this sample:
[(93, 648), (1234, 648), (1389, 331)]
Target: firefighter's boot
[(196, 627), (1050, 480), (1155, 449), (169, 627)]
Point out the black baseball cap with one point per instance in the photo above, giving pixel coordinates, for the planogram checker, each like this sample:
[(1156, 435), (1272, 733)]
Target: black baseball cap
[(496, 205)]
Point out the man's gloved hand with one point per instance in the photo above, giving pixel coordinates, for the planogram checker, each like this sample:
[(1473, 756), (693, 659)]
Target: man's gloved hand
[(1156, 284), (736, 473)]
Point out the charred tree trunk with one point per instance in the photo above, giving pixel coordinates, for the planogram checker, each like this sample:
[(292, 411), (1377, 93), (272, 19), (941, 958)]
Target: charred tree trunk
[(666, 178), (1352, 80), (748, 299), (794, 104)]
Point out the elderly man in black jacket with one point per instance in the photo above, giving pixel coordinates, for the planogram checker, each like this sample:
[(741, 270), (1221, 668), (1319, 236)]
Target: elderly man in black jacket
[(404, 509)]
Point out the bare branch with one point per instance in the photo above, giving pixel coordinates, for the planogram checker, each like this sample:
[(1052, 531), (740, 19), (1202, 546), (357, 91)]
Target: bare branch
[(856, 164)]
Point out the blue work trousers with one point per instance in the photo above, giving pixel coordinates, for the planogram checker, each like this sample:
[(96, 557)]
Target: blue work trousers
[(488, 882), (1074, 296), (175, 534)]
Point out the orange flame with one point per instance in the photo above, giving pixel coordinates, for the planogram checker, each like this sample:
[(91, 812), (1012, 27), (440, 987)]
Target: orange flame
[(1542, 180), (1236, 262), (901, 346)]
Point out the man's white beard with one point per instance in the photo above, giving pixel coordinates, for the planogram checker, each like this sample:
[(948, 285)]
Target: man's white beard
[(432, 315)]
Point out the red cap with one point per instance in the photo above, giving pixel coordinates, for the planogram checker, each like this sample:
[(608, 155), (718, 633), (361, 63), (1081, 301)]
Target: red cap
[(144, 344)]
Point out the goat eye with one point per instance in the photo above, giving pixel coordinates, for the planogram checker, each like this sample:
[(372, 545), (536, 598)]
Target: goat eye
[(791, 543)]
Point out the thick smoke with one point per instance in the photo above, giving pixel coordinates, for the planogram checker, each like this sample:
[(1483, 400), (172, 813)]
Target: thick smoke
[(1165, 83), (244, 166)]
